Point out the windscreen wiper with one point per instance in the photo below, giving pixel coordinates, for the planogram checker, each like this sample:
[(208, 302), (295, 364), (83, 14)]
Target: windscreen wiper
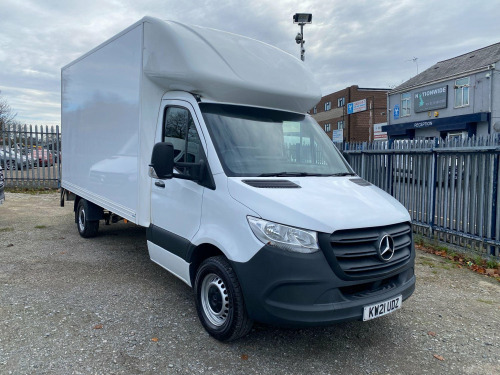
[(341, 174), (290, 174)]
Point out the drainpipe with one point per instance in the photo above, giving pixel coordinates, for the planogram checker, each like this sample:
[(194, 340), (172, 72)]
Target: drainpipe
[(348, 136), (388, 111), (491, 73)]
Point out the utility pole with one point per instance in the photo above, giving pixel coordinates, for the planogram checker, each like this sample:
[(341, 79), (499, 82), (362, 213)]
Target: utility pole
[(301, 19)]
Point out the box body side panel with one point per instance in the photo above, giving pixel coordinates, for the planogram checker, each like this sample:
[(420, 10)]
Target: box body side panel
[(100, 124)]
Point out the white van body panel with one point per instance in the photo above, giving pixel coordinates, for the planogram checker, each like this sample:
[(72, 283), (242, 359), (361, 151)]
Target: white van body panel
[(322, 204), (226, 67), (224, 224), (176, 265), (99, 105)]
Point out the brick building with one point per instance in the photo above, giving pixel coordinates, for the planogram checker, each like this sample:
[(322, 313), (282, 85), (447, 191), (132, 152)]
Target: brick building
[(332, 112)]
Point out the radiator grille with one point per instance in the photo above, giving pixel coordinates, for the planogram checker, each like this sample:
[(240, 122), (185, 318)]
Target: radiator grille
[(356, 251)]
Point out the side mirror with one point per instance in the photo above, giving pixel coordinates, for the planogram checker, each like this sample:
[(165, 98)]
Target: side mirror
[(162, 160)]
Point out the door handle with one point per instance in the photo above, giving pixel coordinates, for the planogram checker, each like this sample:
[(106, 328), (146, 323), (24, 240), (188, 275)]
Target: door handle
[(160, 184)]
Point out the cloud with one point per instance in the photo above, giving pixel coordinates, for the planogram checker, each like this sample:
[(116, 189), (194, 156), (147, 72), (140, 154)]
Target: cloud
[(368, 43)]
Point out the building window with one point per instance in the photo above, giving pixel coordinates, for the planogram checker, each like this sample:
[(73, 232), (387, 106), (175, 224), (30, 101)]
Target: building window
[(315, 110), (405, 104), (328, 106), (327, 128), (340, 124), (462, 92), (340, 102)]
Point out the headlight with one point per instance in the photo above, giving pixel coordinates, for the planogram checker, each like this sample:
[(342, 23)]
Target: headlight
[(283, 236)]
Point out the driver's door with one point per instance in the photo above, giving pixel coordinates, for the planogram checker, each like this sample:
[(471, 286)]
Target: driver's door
[(176, 203)]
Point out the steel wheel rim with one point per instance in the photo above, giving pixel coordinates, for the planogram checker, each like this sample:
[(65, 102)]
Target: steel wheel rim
[(214, 299), (81, 219)]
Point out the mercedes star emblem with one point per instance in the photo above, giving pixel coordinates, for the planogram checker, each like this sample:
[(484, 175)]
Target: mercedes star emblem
[(386, 248)]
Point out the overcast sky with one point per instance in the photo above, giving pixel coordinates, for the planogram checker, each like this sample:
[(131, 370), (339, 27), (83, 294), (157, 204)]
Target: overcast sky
[(350, 42)]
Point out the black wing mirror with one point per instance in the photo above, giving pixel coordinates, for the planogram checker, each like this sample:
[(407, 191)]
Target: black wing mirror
[(162, 160)]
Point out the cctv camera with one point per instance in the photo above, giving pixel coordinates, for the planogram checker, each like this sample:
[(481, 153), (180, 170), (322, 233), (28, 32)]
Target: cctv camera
[(298, 38)]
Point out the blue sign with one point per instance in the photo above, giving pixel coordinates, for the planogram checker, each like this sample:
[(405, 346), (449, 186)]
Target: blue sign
[(396, 111), (357, 106)]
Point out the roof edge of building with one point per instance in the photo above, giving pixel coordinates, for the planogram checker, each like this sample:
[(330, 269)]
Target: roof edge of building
[(398, 90)]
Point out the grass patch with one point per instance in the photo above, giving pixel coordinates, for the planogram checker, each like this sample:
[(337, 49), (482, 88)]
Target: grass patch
[(427, 262), (7, 229), (486, 301), (444, 249), (492, 263), (31, 191), (40, 226), (476, 263), (419, 240)]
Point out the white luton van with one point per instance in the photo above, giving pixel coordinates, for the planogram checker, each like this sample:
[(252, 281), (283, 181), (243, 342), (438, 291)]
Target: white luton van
[(202, 137)]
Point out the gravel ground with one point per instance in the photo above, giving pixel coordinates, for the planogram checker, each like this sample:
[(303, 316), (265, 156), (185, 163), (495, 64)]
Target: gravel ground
[(100, 306)]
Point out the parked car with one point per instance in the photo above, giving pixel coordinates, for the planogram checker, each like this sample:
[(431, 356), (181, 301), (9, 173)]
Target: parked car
[(9, 158), (2, 194), (42, 157)]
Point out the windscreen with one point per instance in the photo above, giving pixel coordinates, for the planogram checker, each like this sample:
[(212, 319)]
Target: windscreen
[(261, 142)]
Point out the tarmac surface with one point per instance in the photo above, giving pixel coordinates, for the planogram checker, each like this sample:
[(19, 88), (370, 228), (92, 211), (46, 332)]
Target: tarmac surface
[(70, 305)]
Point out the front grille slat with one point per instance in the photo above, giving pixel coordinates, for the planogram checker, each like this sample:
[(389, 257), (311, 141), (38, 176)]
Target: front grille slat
[(355, 255), (373, 264), (350, 251)]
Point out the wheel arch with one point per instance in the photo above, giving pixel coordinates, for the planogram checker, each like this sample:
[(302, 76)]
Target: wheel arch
[(94, 211), (198, 254)]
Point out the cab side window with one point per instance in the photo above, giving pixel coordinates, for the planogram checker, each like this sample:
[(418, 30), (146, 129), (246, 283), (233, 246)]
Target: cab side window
[(180, 130)]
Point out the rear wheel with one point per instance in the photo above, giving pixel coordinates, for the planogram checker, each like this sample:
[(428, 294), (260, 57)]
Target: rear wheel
[(86, 228), (219, 300)]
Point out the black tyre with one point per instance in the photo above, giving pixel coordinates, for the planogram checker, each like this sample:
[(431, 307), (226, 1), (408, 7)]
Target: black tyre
[(86, 228), (219, 300)]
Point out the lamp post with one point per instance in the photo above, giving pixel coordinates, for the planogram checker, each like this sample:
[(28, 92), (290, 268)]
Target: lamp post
[(301, 19)]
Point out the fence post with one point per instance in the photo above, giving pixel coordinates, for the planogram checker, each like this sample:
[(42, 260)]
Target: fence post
[(494, 203), (363, 164), (433, 189), (58, 153), (390, 156)]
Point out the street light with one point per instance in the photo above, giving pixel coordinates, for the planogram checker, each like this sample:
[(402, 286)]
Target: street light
[(301, 19)]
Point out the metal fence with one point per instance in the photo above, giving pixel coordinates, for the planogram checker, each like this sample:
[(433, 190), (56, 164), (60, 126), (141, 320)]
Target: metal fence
[(450, 187), (31, 156)]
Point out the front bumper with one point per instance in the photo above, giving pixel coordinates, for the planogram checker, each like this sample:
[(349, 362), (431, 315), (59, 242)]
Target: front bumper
[(297, 290)]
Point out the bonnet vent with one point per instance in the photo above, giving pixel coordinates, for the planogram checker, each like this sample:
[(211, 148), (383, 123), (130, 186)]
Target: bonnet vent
[(360, 182), (272, 184)]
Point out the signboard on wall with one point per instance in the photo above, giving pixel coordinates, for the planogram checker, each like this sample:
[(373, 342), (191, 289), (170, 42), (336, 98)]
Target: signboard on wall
[(357, 106), (427, 100), (378, 134), (396, 111), (338, 136)]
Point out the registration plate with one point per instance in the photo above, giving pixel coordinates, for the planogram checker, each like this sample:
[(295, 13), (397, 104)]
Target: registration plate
[(382, 308)]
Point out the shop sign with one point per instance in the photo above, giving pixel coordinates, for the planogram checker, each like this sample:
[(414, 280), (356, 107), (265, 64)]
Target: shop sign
[(427, 100), (357, 106)]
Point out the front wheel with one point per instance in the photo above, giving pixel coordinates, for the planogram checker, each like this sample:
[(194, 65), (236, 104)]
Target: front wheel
[(86, 228), (219, 300)]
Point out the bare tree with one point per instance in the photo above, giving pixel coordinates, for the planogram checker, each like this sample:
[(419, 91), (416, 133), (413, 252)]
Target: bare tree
[(6, 115)]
